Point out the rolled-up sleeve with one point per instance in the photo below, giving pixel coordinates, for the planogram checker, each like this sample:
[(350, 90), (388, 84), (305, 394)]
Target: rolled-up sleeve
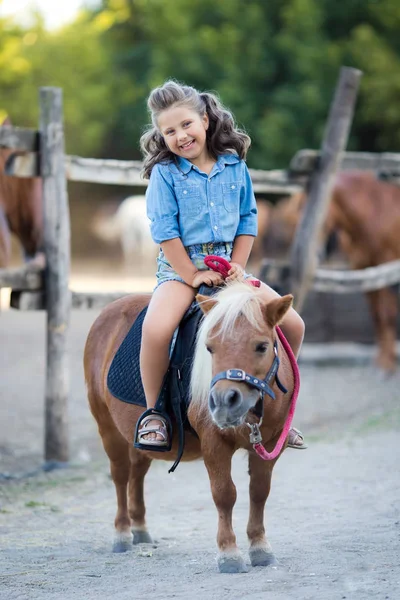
[(248, 207), (162, 208)]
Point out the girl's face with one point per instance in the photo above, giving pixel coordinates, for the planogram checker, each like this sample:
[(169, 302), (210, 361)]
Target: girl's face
[(184, 132)]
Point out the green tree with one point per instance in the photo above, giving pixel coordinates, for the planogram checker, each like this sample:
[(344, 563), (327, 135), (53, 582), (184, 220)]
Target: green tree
[(275, 64), (73, 59)]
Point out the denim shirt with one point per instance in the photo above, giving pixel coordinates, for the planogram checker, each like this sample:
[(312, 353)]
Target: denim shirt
[(183, 202)]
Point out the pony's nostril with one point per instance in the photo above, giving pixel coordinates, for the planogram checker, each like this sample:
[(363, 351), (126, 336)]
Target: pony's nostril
[(211, 401), (232, 397)]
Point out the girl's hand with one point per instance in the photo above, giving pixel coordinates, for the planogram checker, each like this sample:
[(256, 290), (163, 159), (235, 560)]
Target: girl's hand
[(210, 278), (235, 273)]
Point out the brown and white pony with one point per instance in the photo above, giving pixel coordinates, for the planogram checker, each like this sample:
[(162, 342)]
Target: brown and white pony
[(237, 332), (21, 210)]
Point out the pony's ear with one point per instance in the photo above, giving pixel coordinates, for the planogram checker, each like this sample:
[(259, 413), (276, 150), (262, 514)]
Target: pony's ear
[(276, 309), (205, 302)]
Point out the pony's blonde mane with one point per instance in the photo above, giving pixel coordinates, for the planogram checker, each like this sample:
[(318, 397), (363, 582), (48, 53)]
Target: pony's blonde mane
[(236, 299)]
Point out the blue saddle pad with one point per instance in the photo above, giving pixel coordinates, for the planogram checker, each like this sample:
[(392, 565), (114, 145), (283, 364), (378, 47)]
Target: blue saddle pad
[(124, 379)]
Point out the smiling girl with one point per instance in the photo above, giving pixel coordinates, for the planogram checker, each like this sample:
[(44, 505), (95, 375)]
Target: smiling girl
[(200, 201)]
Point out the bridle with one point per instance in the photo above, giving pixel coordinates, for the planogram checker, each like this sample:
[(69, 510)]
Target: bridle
[(221, 265), (264, 386)]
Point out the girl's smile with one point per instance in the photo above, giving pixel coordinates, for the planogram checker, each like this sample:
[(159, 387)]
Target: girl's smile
[(188, 145)]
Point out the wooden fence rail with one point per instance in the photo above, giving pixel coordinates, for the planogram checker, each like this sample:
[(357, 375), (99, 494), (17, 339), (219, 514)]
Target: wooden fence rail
[(127, 172), (279, 181), (336, 281), (305, 161), (22, 278)]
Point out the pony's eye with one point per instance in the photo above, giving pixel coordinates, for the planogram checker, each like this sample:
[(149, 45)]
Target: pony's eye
[(262, 348)]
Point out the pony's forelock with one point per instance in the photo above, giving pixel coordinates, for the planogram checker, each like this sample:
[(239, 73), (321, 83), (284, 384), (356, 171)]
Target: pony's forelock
[(235, 300)]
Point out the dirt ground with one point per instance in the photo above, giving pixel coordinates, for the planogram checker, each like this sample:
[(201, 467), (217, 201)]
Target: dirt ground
[(333, 516)]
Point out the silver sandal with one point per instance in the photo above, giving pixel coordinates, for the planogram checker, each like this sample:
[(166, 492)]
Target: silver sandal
[(159, 430), (294, 437)]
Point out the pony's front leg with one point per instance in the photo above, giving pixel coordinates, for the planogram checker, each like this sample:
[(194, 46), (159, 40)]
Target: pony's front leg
[(218, 461), (384, 309), (260, 472), (140, 464), (118, 452)]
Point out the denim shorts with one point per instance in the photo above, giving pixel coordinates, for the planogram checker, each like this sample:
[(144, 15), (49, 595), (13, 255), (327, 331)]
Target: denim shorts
[(197, 254)]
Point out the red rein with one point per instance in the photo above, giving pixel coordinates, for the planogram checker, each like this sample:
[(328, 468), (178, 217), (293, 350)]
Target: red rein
[(222, 266)]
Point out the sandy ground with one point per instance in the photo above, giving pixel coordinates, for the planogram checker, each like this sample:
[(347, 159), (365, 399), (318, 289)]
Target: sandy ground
[(333, 516)]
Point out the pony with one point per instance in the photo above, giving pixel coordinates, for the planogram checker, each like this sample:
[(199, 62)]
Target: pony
[(130, 226), (238, 336), (364, 216), (21, 210)]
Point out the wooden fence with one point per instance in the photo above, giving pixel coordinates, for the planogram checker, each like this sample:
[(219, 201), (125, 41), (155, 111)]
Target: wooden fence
[(35, 287)]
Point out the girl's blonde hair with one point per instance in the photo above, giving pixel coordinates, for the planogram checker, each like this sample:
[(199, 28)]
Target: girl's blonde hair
[(222, 133)]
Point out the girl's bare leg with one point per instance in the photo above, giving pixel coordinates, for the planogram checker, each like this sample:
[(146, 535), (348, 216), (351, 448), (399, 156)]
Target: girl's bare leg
[(166, 309)]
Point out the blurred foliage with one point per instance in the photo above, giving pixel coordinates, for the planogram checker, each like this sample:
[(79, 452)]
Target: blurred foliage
[(274, 63), (73, 59)]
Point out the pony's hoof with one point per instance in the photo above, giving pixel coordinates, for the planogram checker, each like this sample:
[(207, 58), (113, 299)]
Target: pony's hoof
[(141, 537), (121, 546), (384, 374), (232, 565), (262, 558)]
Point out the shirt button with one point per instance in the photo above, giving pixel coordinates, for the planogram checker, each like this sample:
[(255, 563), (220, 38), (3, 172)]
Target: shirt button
[(211, 203), (233, 187), (185, 191), (215, 227)]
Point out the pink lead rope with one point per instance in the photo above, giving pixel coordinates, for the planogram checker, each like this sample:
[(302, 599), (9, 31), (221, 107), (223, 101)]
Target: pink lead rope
[(222, 266), (258, 447)]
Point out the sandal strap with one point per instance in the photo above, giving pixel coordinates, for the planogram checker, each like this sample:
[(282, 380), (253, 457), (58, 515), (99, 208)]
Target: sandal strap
[(160, 430), (157, 429), (155, 417)]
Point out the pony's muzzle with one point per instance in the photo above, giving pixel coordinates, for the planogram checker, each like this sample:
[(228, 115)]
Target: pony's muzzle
[(226, 406)]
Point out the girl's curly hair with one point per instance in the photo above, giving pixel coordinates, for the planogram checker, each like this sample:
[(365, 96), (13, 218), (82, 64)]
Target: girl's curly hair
[(222, 134)]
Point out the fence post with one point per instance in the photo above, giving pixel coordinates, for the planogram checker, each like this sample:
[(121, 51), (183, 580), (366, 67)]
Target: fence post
[(304, 251), (57, 251)]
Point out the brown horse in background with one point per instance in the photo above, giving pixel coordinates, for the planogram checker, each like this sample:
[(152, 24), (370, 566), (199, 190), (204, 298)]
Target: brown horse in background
[(365, 215), (21, 210), (238, 331)]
